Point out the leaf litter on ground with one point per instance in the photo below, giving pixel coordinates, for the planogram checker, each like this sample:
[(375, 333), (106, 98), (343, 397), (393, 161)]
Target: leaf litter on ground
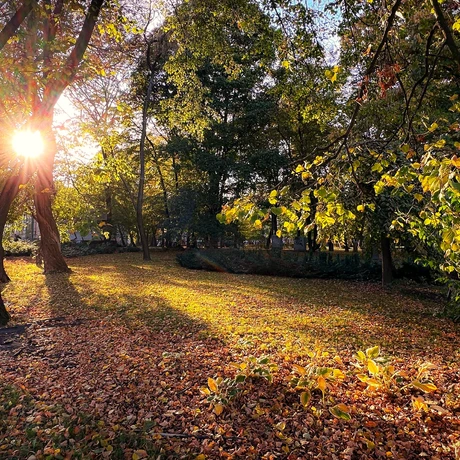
[(114, 355)]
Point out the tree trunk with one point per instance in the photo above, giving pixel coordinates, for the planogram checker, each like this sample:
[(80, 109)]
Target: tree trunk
[(7, 196), (50, 243), (387, 262), (153, 241), (122, 238), (16, 20), (4, 315), (4, 278), (140, 191)]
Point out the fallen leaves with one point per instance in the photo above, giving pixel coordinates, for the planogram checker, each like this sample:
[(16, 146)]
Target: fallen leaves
[(124, 381)]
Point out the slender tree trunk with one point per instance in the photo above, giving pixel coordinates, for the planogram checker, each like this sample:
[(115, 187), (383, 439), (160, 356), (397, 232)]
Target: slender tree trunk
[(50, 243), (123, 242), (110, 229), (140, 192), (387, 262), (4, 315)]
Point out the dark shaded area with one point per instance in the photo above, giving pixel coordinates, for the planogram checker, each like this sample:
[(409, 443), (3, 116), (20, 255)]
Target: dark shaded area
[(289, 264), (4, 315), (95, 247), (10, 337), (323, 265)]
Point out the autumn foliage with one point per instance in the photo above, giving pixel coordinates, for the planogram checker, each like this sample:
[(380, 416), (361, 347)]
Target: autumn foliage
[(130, 359)]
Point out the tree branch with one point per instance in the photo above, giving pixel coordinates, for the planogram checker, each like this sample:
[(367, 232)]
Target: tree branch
[(450, 41), (55, 88), (13, 24)]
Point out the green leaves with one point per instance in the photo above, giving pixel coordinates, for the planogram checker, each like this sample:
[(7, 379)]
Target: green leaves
[(305, 398), (340, 411)]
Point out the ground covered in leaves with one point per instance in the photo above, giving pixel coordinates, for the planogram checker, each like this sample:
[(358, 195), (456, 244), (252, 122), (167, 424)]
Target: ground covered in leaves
[(131, 359)]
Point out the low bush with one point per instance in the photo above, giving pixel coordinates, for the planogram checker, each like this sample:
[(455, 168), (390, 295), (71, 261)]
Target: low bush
[(284, 263), (19, 248), (87, 249)]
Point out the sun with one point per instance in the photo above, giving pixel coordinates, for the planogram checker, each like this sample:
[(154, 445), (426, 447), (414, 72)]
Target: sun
[(28, 143)]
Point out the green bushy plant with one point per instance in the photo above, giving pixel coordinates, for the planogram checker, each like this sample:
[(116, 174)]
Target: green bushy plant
[(20, 247)]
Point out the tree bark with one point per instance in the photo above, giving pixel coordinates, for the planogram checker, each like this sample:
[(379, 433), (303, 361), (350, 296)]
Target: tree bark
[(7, 196), (4, 315), (16, 20), (387, 261), (443, 24), (140, 191), (50, 244)]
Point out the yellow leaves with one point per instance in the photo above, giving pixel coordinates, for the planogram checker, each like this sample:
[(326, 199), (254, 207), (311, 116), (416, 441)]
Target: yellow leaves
[(258, 224), (372, 367), (218, 409), (433, 127), (205, 391), (377, 167), (212, 384), (456, 27), (321, 382), (374, 383), (138, 454), (280, 426), (360, 208), (289, 226), (272, 199), (425, 387), (338, 374), (301, 370), (419, 404), (299, 169), (455, 160), (332, 74), (373, 352), (200, 457)]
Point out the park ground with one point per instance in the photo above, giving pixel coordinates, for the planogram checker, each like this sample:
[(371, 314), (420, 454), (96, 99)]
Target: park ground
[(118, 359)]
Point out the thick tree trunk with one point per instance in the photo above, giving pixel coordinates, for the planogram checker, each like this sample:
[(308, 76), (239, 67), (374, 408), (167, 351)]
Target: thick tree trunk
[(7, 196), (50, 244), (4, 278), (387, 261), (4, 315)]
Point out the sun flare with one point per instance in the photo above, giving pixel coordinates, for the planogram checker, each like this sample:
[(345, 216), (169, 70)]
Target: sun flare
[(28, 144)]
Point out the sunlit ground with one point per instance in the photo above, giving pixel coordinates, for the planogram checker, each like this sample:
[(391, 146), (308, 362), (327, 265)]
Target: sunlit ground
[(274, 311), (137, 311)]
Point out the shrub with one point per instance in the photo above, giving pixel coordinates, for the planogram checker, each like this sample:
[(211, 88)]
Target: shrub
[(20, 248), (87, 249), (285, 263)]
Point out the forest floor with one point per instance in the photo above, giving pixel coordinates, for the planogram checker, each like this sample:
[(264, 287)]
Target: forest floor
[(119, 358)]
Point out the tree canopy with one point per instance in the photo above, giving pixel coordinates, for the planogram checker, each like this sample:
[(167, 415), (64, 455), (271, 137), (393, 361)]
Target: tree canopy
[(218, 122)]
